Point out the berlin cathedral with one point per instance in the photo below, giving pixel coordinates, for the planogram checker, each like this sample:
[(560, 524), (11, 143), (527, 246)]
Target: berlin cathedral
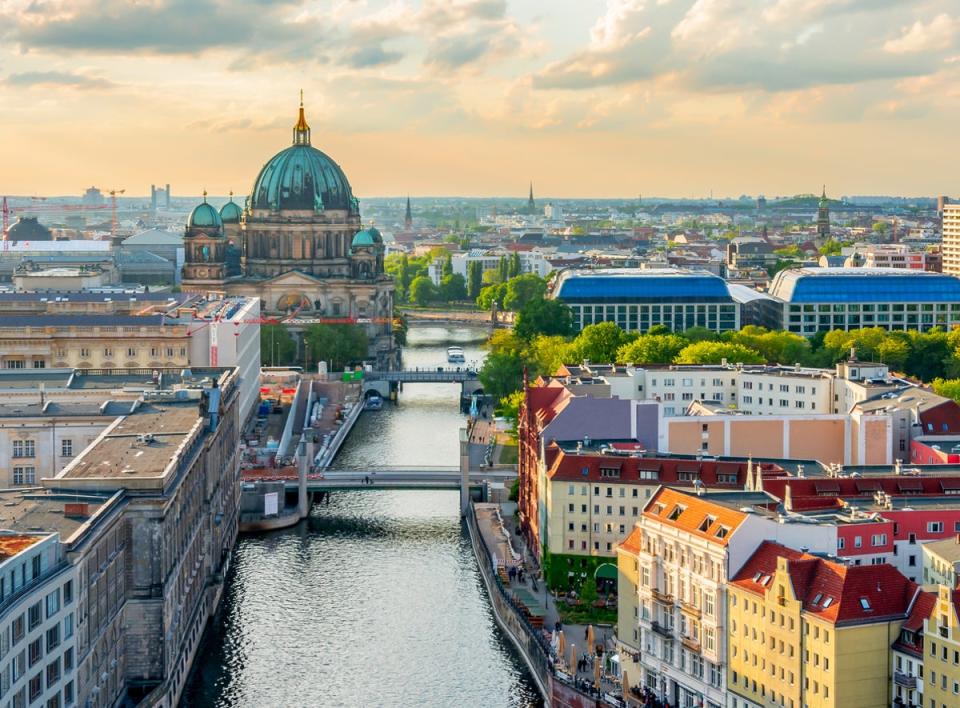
[(302, 249)]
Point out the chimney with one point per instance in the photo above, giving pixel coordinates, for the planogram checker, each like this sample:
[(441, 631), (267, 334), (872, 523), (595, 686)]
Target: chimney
[(76, 510)]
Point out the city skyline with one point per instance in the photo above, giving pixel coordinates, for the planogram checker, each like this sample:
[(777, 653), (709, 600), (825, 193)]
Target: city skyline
[(591, 99)]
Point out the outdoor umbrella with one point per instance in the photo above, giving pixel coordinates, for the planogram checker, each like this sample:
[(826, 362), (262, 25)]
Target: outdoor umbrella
[(561, 645), (573, 659), (625, 686), (596, 674), (590, 639)]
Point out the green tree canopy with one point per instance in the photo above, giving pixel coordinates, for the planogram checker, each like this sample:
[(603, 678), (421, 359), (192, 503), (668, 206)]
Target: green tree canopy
[(453, 287), (422, 291), (546, 354), (474, 279), (543, 316), (522, 289), (779, 347), (492, 295), (716, 352), (947, 387), (502, 374), (337, 344), (599, 342), (277, 345), (652, 349)]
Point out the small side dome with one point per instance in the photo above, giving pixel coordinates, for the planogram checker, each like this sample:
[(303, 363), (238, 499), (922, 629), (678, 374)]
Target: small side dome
[(204, 216), (366, 238), (230, 213), (28, 228)]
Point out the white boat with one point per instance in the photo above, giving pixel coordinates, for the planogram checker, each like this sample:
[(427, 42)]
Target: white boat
[(373, 403), (455, 355)]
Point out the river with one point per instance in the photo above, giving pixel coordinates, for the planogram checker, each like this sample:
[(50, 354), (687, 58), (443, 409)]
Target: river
[(376, 600)]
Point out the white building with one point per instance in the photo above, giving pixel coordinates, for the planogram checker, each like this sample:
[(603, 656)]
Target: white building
[(38, 589), (530, 261), (951, 239), (689, 545), (227, 333)]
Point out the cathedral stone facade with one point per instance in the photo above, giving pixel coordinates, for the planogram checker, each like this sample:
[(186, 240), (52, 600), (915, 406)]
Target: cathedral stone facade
[(303, 250)]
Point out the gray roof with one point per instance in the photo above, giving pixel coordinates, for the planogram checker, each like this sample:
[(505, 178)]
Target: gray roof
[(604, 419), (80, 320), (155, 237), (77, 296)]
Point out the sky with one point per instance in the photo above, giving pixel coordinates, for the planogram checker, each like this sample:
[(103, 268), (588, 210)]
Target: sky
[(585, 98)]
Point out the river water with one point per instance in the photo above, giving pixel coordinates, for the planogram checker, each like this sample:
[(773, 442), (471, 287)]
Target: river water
[(376, 600)]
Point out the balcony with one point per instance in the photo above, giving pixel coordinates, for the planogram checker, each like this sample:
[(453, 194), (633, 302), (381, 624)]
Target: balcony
[(689, 610), (691, 643), (661, 629), (662, 597), (908, 681)]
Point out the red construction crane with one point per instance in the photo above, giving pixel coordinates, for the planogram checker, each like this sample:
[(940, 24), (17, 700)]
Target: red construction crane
[(114, 223)]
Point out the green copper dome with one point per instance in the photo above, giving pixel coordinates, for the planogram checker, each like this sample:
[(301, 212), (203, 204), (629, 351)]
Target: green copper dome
[(230, 213), (204, 216), (303, 178), (367, 237)]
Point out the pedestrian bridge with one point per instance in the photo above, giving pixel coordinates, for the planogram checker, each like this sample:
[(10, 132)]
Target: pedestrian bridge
[(398, 478), (386, 383)]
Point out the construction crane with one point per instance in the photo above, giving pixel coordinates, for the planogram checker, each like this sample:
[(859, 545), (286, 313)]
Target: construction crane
[(114, 222)]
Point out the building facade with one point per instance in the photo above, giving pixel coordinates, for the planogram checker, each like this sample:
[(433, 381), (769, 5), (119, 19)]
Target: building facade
[(951, 239)]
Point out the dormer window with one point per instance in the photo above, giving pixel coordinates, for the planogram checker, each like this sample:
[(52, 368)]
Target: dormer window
[(722, 532), (675, 514), (827, 602), (865, 604), (706, 523), (609, 472), (816, 598)]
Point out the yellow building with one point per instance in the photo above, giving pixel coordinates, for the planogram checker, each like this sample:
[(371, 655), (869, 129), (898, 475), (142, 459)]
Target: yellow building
[(941, 660), (805, 632), (628, 606)]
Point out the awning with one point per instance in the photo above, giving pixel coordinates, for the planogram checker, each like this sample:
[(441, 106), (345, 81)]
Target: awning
[(606, 571), (869, 485)]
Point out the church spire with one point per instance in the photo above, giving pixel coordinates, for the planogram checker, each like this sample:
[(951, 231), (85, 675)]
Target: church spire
[(408, 216), (301, 131), (530, 203)]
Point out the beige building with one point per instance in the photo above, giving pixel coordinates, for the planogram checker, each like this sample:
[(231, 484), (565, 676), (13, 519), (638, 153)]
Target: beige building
[(941, 561), (951, 239)]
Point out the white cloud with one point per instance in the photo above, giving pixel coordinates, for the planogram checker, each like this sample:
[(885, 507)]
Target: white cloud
[(936, 35)]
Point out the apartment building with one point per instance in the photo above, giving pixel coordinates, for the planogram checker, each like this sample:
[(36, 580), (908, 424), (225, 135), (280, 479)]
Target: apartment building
[(906, 655), (805, 631), (147, 514), (38, 621), (690, 544), (941, 656), (593, 499), (951, 239), (941, 561), (489, 259)]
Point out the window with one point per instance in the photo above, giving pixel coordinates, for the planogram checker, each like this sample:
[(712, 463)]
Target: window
[(53, 603), (108, 352), (934, 527), (35, 616), (84, 352), (68, 693), (68, 660), (857, 542), (24, 448), (35, 687), (131, 352), (878, 539), (68, 592), (25, 475), (53, 672), (66, 448), (865, 603), (35, 651)]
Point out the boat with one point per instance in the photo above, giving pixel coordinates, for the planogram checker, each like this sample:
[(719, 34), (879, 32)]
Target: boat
[(455, 355), (373, 403)]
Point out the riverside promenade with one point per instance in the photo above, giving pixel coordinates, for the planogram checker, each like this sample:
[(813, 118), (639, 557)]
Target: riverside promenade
[(528, 614)]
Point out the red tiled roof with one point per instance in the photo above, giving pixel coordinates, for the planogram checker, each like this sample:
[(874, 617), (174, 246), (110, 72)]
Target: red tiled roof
[(694, 514), (834, 592), (921, 610), (813, 493), (570, 466)]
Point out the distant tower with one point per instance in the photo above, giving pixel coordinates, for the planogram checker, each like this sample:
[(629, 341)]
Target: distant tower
[(531, 205), (408, 216), (823, 216), (204, 248)]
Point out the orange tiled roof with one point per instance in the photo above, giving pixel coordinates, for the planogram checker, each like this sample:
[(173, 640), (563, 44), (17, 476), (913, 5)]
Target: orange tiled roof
[(690, 513), (631, 543)]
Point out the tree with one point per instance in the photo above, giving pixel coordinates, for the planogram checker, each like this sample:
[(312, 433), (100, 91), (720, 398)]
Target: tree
[(546, 354), (778, 347), (880, 228), (490, 295), (503, 270), (502, 374), (516, 267), (947, 387), (474, 279), (453, 287), (337, 344), (422, 291), (652, 349), (447, 265), (599, 342), (543, 316), (490, 277), (700, 334), (522, 289), (659, 329), (277, 345), (929, 354), (716, 352), (831, 247)]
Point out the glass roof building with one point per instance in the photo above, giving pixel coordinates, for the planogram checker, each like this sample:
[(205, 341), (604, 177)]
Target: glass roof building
[(819, 299), (638, 299)]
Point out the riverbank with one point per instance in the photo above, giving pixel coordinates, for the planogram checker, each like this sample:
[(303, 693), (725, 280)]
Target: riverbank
[(454, 316)]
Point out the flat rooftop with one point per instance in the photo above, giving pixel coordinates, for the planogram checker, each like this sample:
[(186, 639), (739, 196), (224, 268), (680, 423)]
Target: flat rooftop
[(13, 543), (118, 455), (40, 511), (105, 379), (946, 548)]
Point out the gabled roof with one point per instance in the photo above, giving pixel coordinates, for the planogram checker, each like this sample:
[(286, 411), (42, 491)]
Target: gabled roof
[(831, 591), (694, 514), (586, 467)]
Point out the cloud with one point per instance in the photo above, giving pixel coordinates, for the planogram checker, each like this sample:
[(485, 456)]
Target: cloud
[(62, 79), (734, 45), (374, 55), (938, 34)]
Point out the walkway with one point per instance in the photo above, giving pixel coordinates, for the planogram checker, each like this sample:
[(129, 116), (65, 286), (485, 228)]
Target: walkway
[(533, 593)]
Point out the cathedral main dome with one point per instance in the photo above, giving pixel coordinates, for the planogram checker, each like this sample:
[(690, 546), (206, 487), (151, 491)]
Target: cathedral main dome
[(302, 178)]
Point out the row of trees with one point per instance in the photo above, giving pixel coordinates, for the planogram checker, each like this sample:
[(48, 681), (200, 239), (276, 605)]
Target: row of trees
[(541, 340), (337, 344)]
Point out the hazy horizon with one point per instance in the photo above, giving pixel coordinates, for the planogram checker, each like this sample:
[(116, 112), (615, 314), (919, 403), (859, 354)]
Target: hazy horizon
[(586, 98)]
